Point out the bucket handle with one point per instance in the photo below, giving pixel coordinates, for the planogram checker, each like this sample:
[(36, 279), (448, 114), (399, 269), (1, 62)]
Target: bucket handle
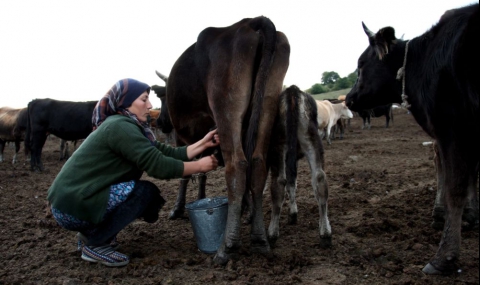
[(210, 211)]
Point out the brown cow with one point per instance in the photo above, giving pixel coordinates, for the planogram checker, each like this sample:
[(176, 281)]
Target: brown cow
[(12, 129), (231, 78)]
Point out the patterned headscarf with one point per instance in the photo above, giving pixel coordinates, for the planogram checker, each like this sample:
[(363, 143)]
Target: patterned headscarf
[(117, 100)]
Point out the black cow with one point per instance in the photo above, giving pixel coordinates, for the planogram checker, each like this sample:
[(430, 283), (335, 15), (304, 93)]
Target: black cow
[(231, 78), (65, 119), (440, 85), (12, 129), (385, 110)]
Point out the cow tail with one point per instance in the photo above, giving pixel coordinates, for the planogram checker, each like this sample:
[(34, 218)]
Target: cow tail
[(268, 31), (292, 116)]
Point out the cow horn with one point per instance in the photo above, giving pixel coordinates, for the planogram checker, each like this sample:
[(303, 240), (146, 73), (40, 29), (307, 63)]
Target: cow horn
[(163, 77), (369, 33)]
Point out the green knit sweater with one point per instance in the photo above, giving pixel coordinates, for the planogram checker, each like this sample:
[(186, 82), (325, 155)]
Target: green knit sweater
[(116, 152)]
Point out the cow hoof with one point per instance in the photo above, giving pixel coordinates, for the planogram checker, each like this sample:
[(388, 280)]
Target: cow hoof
[(470, 216), (224, 254), (272, 241), (176, 214), (431, 270), (292, 219), (437, 225), (221, 258), (326, 242)]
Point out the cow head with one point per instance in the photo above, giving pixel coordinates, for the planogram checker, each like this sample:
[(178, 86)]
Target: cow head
[(163, 121), (377, 70)]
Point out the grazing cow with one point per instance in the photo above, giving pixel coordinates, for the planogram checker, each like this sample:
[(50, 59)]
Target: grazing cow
[(439, 84), (385, 110), (328, 115), (12, 129), (231, 78), (64, 119), (295, 133)]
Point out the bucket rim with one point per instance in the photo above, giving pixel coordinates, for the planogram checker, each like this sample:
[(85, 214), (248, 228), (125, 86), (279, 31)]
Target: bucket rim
[(224, 201)]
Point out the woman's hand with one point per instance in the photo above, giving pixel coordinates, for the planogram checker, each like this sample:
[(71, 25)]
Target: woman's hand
[(203, 165), (211, 139)]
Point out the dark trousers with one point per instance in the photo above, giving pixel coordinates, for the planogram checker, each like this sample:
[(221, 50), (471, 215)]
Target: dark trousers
[(143, 202)]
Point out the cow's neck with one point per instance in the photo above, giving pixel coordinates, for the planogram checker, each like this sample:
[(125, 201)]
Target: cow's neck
[(414, 81)]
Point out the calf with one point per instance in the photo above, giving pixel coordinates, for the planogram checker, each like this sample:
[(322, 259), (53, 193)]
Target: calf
[(295, 134)]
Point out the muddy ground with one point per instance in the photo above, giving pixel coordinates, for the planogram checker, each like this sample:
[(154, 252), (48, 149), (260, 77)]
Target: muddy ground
[(382, 188)]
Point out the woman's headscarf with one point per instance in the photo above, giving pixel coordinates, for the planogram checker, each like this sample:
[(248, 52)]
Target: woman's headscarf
[(117, 100)]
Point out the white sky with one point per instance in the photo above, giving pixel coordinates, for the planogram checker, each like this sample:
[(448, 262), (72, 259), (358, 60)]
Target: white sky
[(76, 50)]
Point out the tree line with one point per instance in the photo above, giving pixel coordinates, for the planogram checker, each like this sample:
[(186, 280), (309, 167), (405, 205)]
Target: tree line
[(331, 81)]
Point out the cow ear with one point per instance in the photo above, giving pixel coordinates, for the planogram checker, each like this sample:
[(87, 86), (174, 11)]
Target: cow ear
[(384, 40)]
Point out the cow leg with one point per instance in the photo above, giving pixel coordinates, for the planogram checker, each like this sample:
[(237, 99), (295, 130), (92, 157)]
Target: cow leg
[(471, 210), (17, 149), (277, 192), (341, 127), (179, 207), (38, 140), (2, 148), (438, 213), (235, 177), (315, 159), (458, 166), (328, 133), (470, 213), (62, 149)]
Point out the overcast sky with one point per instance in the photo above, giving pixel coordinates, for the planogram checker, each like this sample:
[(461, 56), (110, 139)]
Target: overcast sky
[(76, 50)]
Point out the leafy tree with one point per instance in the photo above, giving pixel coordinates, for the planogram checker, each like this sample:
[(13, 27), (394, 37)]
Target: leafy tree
[(352, 77), (329, 77), (317, 89), (342, 83)]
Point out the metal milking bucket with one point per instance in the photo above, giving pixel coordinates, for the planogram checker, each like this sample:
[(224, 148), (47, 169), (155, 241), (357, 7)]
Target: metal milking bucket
[(208, 217)]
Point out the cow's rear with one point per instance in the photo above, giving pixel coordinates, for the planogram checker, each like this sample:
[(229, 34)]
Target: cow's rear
[(231, 78)]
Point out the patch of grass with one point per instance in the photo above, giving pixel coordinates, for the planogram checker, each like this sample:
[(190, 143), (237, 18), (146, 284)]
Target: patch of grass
[(331, 95)]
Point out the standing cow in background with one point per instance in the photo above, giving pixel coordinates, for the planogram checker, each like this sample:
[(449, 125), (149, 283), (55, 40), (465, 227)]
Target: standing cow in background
[(328, 115), (65, 119), (385, 110), (12, 129), (231, 78), (439, 83)]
